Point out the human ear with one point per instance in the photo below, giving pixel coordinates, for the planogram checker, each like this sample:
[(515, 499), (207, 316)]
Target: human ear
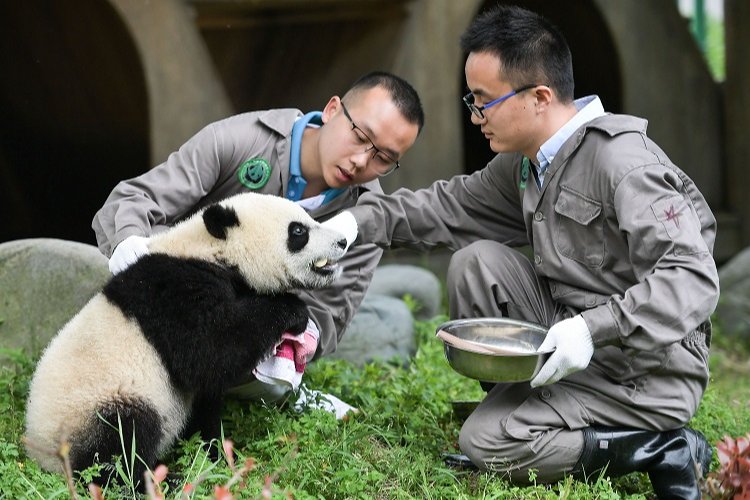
[(544, 96), (334, 103)]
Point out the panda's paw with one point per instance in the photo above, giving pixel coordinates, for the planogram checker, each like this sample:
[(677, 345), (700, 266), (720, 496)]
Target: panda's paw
[(298, 321), (293, 314)]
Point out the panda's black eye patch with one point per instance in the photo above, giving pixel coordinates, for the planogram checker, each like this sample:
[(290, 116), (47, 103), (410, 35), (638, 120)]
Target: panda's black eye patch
[(298, 236)]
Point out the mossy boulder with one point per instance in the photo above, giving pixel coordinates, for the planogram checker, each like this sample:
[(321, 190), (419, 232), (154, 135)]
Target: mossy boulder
[(44, 283)]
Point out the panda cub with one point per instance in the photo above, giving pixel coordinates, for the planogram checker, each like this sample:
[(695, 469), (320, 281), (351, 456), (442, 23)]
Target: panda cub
[(156, 349)]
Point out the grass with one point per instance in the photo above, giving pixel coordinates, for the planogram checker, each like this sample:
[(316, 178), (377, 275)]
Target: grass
[(390, 450)]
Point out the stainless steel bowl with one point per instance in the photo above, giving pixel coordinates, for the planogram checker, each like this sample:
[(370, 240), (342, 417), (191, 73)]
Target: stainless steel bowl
[(494, 349)]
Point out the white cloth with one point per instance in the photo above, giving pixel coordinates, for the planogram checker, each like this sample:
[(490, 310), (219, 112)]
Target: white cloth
[(317, 400), (283, 367)]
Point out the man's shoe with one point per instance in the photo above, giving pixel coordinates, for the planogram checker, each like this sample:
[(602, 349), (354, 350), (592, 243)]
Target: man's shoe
[(458, 461)]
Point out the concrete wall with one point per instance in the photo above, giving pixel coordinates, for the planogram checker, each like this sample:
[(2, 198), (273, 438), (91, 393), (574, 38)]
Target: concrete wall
[(184, 90), (737, 112), (185, 63)]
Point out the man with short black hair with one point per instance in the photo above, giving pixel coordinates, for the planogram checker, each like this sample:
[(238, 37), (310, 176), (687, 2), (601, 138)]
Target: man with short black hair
[(322, 160), (622, 271)]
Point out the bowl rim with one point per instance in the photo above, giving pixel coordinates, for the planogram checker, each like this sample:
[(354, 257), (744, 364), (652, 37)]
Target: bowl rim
[(490, 321)]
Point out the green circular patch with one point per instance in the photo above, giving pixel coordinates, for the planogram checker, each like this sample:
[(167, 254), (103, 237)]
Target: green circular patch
[(254, 173)]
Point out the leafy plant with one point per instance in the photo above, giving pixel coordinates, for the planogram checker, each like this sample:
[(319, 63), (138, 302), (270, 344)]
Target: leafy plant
[(732, 479)]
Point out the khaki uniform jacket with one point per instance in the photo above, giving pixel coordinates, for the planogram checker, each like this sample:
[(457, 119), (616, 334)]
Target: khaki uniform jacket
[(618, 231), (204, 170)]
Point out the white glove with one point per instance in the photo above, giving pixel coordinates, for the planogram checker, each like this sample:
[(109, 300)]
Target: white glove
[(127, 252), (345, 224), (573, 350)]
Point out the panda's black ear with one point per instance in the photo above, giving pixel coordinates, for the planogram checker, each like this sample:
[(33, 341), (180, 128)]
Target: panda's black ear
[(218, 219)]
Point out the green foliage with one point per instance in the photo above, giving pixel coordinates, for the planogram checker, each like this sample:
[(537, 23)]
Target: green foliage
[(391, 449), (714, 50)]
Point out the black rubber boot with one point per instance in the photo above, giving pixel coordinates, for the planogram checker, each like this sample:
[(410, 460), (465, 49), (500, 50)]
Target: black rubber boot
[(669, 458), (458, 461)]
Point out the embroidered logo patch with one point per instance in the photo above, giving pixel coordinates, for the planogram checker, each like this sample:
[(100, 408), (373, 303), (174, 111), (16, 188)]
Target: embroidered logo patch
[(254, 173), (673, 216)]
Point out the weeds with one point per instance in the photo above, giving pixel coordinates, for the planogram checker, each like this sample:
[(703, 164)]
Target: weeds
[(391, 449)]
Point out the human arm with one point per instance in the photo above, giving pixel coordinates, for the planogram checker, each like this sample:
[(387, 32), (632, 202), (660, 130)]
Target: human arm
[(204, 170), (450, 213), (669, 233), (154, 200)]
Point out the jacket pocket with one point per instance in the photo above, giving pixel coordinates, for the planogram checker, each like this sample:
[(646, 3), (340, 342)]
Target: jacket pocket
[(625, 364), (579, 234)]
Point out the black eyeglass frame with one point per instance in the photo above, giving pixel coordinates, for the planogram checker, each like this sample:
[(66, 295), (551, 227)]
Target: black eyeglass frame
[(394, 163), (479, 110)]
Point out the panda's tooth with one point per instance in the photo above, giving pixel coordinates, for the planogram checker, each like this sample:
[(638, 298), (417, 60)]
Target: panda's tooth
[(321, 262)]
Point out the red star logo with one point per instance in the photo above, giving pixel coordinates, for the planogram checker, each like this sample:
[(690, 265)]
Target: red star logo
[(671, 215)]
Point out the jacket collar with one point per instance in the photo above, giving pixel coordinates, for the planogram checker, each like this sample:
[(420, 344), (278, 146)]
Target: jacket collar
[(280, 121)]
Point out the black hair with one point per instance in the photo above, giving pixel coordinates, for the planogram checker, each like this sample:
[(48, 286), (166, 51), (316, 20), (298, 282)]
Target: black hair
[(531, 50), (402, 93)]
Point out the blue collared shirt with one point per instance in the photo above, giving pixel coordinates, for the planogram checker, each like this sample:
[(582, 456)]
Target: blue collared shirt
[(588, 107), (297, 183)]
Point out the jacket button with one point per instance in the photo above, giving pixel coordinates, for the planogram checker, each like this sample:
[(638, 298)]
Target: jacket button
[(537, 259), (546, 394), (538, 216)]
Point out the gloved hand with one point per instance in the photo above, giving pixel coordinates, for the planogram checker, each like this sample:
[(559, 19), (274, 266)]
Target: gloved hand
[(573, 350), (345, 224), (127, 252)]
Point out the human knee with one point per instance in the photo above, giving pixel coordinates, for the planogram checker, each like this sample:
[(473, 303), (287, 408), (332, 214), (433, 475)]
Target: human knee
[(471, 445), (472, 257), (490, 450)]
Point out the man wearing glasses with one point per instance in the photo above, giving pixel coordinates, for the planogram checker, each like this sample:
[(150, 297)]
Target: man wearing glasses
[(620, 268), (322, 160)]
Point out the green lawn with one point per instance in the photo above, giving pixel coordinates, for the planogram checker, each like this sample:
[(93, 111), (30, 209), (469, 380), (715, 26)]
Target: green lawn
[(390, 450)]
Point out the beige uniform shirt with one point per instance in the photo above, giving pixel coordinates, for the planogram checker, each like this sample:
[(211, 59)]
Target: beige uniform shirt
[(206, 169)]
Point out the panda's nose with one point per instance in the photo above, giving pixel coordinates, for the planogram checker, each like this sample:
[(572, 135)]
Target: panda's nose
[(341, 243)]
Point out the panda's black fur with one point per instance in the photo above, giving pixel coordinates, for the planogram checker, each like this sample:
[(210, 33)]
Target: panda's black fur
[(156, 350), (183, 306)]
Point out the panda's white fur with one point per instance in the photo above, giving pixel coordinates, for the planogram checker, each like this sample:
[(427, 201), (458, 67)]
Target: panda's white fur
[(84, 363), (164, 339), (265, 262)]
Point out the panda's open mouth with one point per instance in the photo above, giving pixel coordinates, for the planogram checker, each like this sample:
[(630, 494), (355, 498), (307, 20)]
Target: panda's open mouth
[(325, 266)]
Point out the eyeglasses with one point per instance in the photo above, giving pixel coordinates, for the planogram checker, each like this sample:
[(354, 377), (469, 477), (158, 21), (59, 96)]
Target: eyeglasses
[(478, 110), (382, 162)]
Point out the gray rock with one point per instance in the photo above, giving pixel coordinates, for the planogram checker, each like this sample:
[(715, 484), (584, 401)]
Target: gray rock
[(397, 280), (44, 283), (733, 311), (382, 329)]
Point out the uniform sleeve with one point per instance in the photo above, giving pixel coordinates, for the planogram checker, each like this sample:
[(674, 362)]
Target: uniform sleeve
[(670, 237), (150, 202), (450, 213), (332, 308)]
